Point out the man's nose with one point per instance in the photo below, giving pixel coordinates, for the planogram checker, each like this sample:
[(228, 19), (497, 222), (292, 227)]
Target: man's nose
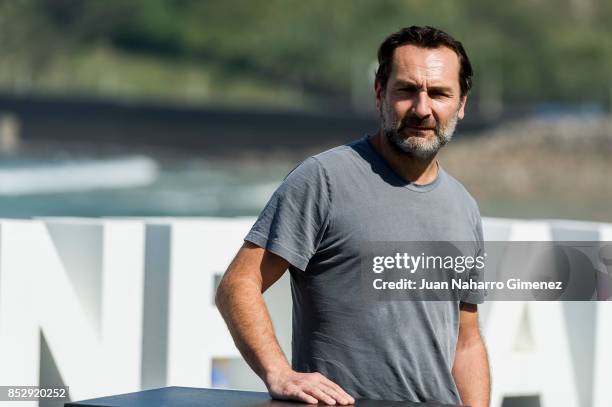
[(422, 105)]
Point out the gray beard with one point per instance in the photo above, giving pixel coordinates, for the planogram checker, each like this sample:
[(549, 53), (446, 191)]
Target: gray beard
[(418, 147)]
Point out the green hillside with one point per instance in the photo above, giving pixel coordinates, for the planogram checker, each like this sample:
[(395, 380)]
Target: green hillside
[(295, 54)]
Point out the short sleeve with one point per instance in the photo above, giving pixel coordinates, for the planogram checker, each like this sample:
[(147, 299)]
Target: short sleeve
[(476, 296), (293, 221)]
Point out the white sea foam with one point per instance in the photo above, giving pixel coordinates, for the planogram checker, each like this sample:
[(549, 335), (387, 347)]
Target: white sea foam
[(67, 176)]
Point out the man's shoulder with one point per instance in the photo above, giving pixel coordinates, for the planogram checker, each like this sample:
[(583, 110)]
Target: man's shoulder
[(343, 151), (325, 165), (339, 157)]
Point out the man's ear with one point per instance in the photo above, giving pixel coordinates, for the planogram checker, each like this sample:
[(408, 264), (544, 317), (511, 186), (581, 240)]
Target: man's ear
[(378, 91), (461, 112)]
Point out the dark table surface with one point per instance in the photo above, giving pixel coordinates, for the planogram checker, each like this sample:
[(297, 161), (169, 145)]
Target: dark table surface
[(199, 397)]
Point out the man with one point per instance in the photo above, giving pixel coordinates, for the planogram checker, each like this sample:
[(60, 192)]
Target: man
[(388, 187)]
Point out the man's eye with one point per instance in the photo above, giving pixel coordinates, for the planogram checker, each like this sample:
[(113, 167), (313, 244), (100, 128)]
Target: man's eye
[(438, 94)]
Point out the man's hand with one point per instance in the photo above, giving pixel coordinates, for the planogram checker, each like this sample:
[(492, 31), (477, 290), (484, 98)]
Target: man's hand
[(307, 387)]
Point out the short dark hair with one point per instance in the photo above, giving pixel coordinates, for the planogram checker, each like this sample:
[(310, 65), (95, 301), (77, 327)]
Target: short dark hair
[(424, 37)]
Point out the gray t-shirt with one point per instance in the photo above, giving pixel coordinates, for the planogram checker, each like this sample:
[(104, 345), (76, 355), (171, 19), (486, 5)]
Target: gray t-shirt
[(316, 220)]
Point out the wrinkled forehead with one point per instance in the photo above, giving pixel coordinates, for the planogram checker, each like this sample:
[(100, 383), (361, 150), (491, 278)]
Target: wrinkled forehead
[(439, 66)]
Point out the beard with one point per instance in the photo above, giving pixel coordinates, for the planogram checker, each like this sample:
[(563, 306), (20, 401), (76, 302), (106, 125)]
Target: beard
[(420, 147)]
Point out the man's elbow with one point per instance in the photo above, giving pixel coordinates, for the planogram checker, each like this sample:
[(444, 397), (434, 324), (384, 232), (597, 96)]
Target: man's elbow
[(230, 288), (220, 296), (470, 342)]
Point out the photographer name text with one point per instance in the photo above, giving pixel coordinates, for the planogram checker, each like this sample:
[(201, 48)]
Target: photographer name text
[(424, 284)]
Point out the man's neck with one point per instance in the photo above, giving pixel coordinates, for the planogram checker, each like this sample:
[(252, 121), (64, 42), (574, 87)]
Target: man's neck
[(412, 170)]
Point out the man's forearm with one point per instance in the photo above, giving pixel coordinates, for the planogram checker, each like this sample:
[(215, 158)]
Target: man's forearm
[(471, 373), (239, 299), (242, 306)]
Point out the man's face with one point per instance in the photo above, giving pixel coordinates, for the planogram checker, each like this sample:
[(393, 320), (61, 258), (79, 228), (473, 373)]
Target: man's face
[(421, 104)]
